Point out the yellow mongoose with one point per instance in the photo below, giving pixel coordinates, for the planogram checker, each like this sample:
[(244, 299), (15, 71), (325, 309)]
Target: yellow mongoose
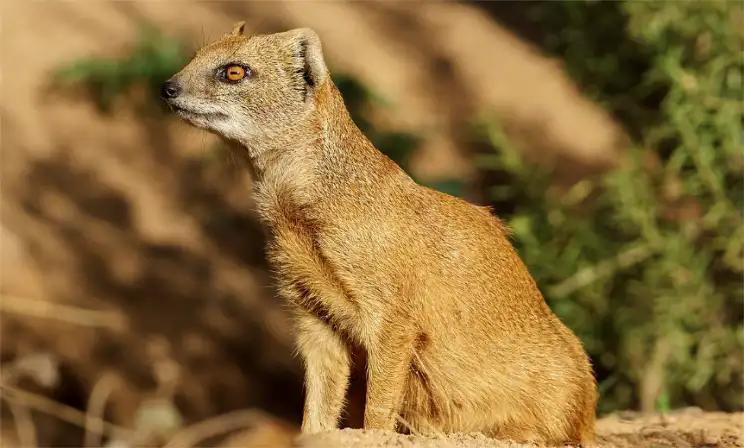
[(458, 336)]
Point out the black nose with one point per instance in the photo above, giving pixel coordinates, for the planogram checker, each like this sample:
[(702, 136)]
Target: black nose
[(170, 90)]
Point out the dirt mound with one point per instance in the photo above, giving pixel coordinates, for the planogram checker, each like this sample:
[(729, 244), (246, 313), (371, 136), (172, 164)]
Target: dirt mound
[(685, 428), (681, 429)]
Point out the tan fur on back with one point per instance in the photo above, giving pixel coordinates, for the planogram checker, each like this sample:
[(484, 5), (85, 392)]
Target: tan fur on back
[(458, 336)]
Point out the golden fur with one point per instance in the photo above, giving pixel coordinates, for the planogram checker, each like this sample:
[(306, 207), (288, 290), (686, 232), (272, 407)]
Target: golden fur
[(458, 336)]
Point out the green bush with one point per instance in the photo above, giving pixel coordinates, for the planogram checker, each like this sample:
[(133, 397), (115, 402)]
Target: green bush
[(646, 265), (153, 59)]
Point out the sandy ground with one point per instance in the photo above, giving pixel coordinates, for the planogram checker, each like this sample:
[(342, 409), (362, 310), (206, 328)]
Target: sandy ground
[(684, 428), (688, 428)]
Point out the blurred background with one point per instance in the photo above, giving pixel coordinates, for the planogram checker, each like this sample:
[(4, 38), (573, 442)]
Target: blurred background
[(135, 298)]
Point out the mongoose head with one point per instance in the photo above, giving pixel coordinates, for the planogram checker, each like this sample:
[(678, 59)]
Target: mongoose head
[(246, 88)]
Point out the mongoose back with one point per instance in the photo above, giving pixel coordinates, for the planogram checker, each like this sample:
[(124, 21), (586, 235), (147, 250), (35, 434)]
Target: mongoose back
[(457, 334)]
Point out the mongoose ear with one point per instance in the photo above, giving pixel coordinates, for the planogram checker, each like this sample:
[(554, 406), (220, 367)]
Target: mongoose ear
[(309, 54), (238, 29)]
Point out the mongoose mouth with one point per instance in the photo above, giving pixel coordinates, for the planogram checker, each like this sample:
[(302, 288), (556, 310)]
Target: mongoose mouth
[(190, 113)]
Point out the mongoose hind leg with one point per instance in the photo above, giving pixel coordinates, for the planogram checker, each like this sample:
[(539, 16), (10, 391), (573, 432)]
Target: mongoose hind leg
[(327, 370), (556, 429), (388, 367)]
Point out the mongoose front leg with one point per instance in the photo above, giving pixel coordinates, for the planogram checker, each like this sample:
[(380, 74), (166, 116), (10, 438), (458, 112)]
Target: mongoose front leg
[(327, 370), (388, 366)]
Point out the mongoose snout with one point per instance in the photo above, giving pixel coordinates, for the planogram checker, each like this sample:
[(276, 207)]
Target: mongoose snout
[(169, 90)]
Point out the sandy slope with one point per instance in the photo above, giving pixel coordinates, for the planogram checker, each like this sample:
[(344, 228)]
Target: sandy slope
[(688, 428)]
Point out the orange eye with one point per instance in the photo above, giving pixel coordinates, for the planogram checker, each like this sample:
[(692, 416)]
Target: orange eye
[(235, 73)]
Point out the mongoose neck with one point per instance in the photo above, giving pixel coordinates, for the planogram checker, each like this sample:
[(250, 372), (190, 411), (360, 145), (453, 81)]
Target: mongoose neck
[(328, 133)]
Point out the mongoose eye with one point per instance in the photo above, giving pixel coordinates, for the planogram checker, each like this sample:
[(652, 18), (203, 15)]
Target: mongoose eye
[(235, 73)]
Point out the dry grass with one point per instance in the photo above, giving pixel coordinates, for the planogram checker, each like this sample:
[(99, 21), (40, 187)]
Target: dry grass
[(22, 402), (64, 313)]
